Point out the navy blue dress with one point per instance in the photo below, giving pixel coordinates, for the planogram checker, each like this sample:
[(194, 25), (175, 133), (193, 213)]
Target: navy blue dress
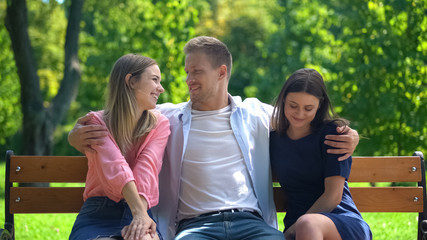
[(301, 167)]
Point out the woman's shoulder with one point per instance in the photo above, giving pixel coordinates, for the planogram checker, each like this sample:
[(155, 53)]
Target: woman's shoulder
[(327, 128), (96, 117), (160, 117), (330, 127), (162, 120)]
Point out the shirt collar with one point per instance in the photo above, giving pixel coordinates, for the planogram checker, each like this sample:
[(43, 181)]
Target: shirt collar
[(234, 103)]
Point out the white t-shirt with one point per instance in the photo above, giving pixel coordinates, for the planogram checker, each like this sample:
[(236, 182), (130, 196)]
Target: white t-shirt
[(214, 174)]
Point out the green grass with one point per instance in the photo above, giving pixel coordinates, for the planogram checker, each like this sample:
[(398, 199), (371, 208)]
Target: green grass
[(384, 226), (43, 226)]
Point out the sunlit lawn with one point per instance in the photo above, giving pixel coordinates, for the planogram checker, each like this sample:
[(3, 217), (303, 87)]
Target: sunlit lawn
[(385, 226)]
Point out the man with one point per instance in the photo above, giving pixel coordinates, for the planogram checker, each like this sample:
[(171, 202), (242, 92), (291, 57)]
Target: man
[(215, 182)]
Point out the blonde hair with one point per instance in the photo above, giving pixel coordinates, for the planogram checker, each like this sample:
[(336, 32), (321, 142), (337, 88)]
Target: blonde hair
[(120, 113)]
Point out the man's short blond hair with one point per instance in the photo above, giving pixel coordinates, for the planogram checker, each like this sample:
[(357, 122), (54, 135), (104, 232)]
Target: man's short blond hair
[(217, 52)]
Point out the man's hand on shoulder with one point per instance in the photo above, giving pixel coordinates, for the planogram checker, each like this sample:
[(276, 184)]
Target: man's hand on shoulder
[(344, 143), (82, 137)]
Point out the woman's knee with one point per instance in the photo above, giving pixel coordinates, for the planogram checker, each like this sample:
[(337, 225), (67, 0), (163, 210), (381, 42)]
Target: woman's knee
[(316, 225), (305, 221)]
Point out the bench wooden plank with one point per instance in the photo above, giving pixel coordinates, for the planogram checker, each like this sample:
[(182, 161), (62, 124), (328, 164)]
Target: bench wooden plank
[(388, 199), (48, 169), (376, 199), (386, 169), (46, 200)]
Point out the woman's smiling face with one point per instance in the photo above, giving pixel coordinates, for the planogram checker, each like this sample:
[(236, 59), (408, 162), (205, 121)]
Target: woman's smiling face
[(148, 88), (300, 109)]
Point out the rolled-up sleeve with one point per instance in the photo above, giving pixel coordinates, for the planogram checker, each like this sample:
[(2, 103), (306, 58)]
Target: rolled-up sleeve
[(149, 161), (110, 166)]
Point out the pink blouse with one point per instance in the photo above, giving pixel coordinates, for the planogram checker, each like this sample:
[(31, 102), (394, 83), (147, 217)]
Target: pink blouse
[(109, 170)]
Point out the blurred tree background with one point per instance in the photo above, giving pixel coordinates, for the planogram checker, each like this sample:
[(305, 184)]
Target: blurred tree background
[(372, 54)]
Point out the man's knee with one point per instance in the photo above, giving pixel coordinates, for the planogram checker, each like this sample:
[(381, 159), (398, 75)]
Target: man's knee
[(267, 232), (188, 235)]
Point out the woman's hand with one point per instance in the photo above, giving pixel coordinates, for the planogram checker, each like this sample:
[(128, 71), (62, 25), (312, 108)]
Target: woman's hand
[(142, 227)]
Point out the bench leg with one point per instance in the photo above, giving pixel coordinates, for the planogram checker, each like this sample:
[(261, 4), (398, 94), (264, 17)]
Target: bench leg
[(424, 229), (5, 235)]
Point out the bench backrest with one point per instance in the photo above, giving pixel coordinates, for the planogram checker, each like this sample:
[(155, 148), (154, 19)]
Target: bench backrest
[(382, 199), (70, 169), (40, 169)]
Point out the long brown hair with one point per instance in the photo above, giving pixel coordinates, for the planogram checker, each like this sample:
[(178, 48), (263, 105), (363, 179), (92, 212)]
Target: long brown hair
[(309, 81), (120, 113)]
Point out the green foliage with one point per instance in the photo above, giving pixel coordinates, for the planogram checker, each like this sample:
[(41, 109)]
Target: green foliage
[(157, 29), (372, 55), (10, 107), (381, 73), (371, 52), (244, 26), (47, 24)]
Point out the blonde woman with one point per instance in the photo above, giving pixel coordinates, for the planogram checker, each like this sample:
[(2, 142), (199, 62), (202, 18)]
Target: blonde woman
[(122, 180)]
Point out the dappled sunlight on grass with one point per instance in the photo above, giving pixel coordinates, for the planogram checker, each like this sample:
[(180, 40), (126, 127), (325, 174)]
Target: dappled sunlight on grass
[(44, 226), (392, 225)]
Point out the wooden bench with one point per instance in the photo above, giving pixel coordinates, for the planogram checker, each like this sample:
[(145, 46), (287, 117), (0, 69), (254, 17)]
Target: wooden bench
[(71, 169), (384, 199), (41, 169)]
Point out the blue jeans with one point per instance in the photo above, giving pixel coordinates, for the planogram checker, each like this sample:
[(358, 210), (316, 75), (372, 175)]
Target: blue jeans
[(237, 225), (101, 217)]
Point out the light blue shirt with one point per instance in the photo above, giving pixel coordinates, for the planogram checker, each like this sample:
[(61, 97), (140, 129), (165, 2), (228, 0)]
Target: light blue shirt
[(250, 122)]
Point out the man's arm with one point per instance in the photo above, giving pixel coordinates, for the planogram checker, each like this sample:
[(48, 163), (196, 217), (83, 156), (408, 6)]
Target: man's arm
[(344, 144), (82, 136)]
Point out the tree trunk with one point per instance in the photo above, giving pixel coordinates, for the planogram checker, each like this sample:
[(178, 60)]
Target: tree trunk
[(39, 122)]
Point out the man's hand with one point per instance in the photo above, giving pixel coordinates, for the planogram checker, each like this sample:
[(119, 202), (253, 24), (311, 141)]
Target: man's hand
[(345, 143), (82, 137)]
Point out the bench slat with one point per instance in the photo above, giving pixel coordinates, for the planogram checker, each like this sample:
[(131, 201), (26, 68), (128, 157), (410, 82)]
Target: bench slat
[(377, 199), (48, 169), (46, 200), (385, 169), (388, 199)]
